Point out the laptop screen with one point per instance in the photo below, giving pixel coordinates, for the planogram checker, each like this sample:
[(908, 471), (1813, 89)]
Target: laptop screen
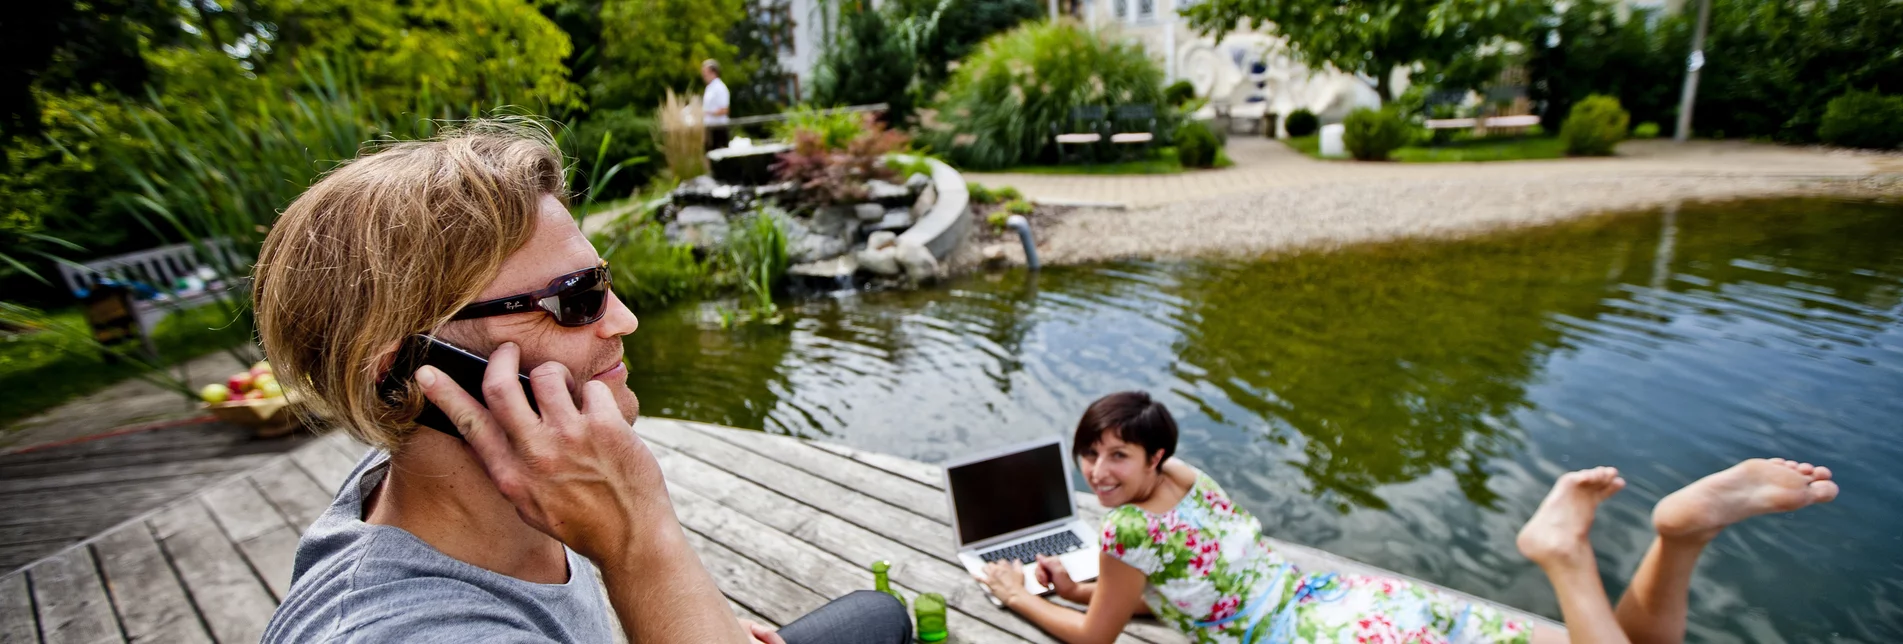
[(1011, 492)]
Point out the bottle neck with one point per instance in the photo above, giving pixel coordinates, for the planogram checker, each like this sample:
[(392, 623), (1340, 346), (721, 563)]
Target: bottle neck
[(879, 583)]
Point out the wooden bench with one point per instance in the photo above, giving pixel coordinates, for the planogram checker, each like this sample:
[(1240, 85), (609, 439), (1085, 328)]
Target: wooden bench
[(160, 269)]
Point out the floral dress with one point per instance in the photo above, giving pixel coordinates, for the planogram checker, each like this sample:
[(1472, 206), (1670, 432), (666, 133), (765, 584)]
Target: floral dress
[(1214, 577)]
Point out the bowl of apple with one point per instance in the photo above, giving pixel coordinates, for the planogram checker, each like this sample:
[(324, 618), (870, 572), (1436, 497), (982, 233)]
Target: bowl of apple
[(251, 398)]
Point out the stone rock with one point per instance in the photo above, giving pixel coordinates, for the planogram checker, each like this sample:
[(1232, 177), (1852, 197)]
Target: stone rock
[(994, 254), (917, 182), (896, 220), (827, 234), (881, 239), (835, 268), (926, 199), (886, 192), (869, 211), (917, 260), (879, 261), (700, 215), (706, 234)]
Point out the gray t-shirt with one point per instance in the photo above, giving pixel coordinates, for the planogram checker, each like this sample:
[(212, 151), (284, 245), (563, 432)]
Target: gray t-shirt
[(359, 582)]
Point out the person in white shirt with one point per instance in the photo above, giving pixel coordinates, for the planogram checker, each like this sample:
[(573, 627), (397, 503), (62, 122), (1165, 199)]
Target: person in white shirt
[(714, 104)]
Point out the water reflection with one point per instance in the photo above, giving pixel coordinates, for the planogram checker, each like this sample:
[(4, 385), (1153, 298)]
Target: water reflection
[(1408, 403)]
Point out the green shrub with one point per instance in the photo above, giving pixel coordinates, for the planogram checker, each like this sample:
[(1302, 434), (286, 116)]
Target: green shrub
[(650, 272), (871, 60), (1179, 92), (1000, 107), (980, 194), (630, 137), (1539, 130), (1009, 193), (1863, 120), (1595, 126), (997, 218), (1370, 134), (1196, 145), (1301, 123), (835, 130), (1646, 130), (1018, 207)]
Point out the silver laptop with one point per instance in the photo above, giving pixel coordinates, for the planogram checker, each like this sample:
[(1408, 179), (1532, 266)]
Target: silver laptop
[(1016, 503)]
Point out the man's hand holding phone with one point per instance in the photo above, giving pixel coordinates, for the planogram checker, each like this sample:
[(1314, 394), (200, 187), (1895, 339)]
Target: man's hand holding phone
[(578, 474)]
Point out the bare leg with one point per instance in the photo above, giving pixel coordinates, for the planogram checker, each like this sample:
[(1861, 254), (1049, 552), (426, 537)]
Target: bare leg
[(1654, 606), (1555, 538)]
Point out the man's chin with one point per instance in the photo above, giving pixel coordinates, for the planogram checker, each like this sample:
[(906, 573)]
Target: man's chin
[(630, 404)]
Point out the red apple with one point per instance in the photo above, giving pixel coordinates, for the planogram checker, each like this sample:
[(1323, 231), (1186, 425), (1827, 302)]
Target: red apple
[(239, 382), (254, 395)]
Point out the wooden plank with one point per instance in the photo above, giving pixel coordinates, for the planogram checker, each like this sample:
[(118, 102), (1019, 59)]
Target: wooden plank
[(72, 602), (18, 623), (82, 499), (741, 613), (857, 545), (930, 475), (92, 477), (824, 573), (324, 465), (234, 603), (241, 510), (751, 585), (294, 493), (343, 444), (152, 606), (899, 491), (273, 555), (899, 525)]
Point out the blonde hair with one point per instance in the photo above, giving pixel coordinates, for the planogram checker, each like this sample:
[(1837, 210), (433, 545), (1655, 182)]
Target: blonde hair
[(388, 245)]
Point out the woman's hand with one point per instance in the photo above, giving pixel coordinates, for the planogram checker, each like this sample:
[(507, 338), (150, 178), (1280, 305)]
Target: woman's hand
[(761, 633), (1005, 580), (1051, 574)]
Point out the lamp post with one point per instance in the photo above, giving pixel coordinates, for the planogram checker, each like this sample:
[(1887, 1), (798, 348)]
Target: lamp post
[(1693, 63)]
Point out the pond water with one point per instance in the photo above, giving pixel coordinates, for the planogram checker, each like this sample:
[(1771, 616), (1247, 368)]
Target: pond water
[(1408, 404)]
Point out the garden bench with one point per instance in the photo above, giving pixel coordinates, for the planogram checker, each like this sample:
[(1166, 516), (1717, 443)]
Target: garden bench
[(153, 275), (1085, 128), (1134, 125), (1491, 122)]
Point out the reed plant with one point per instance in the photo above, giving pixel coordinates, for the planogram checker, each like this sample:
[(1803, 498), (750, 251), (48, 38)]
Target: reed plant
[(683, 136)]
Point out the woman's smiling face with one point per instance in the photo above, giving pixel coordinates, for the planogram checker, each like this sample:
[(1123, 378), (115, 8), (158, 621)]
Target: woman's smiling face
[(1119, 472)]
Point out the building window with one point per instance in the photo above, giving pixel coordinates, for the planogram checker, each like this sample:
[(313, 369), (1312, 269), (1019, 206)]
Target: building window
[(1146, 9)]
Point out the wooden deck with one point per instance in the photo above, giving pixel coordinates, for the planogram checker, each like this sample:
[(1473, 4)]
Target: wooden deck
[(54, 496), (783, 524)]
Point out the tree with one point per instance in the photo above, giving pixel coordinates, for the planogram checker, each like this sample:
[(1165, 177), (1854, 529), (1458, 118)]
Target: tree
[(650, 46), (72, 46), (1373, 38), (967, 23)]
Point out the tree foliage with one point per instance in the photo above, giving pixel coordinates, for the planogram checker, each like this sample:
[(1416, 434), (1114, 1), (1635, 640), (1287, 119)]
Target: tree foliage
[(1373, 38), (1636, 55), (650, 46)]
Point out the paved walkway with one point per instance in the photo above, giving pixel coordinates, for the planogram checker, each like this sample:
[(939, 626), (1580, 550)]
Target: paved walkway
[(131, 402), (1263, 165)]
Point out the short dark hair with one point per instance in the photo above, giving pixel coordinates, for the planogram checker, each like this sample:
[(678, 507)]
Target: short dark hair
[(1135, 418)]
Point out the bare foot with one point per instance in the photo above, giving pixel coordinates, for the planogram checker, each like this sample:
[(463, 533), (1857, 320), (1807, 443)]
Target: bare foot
[(1556, 535), (1754, 487)]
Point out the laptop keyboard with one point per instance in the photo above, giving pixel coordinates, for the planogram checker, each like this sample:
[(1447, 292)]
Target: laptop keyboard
[(1049, 545)]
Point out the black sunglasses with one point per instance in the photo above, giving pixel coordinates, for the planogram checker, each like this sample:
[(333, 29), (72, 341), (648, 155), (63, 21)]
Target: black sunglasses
[(576, 299)]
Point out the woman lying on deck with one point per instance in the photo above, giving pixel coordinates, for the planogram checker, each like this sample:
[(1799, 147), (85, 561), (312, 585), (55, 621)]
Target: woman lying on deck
[(1175, 546)]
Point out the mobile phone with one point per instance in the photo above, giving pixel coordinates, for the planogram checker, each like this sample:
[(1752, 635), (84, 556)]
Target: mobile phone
[(458, 363)]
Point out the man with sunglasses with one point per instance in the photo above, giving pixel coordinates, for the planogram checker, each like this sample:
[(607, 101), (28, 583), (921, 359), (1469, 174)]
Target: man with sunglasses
[(495, 536)]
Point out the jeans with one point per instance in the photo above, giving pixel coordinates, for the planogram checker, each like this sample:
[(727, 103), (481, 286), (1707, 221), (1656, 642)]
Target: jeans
[(863, 617)]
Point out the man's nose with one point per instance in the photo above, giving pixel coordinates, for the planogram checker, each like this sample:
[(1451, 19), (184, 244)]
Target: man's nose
[(618, 321)]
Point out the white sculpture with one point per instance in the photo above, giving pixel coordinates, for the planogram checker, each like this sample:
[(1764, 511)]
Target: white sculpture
[(1245, 66)]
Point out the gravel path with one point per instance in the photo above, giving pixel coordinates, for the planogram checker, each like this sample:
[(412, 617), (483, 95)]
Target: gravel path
[(1274, 200)]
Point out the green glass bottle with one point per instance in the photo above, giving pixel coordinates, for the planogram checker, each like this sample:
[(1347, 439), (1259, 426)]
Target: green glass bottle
[(879, 582), (931, 617)]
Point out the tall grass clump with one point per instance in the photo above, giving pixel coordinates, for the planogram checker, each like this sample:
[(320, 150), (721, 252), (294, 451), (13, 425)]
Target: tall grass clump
[(1000, 106), (756, 249), (683, 136)]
